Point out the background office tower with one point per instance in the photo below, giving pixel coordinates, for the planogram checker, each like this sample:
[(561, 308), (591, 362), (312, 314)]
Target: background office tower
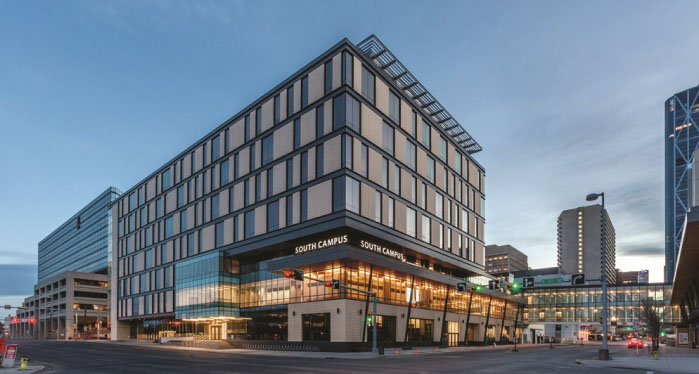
[(681, 139), (631, 277), (504, 259), (349, 170), (580, 240)]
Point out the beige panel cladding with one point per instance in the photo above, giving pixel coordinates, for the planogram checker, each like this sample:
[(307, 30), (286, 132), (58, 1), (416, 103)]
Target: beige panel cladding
[(332, 154), (297, 96), (282, 105), (238, 195), (464, 167), (399, 149), (406, 117), (430, 199), (267, 115), (216, 177), (451, 155), (421, 162), (175, 223), (282, 212), (406, 180), (439, 176), (260, 220), (258, 154), (139, 263), (367, 208), (357, 75), (480, 254), (198, 158), (236, 136), (384, 209), (477, 204), (263, 186), (400, 223), (392, 186), (207, 210), (279, 175), (375, 166), (308, 127), (356, 155), (434, 236), (150, 188), (222, 143), (170, 203), (337, 70), (297, 170), (241, 228), (311, 171), (253, 120), (473, 174), (190, 216), (188, 165), (327, 117), (321, 202), (223, 203), (434, 137), (371, 125), (316, 80), (283, 140), (244, 161), (455, 242), (471, 225), (231, 168), (208, 238), (480, 229), (381, 96), (296, 203)]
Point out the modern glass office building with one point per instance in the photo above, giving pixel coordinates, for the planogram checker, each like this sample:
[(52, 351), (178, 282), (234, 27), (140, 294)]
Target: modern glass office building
[(681, 139), (350, 170), (81, 243)]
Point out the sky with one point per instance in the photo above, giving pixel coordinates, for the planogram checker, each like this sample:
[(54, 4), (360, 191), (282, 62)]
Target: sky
[(566, 98)]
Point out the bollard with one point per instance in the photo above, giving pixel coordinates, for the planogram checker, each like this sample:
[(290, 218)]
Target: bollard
[(23, 363), (655, 355)]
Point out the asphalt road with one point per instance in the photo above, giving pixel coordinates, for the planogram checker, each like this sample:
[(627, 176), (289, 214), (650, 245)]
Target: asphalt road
[(90, 357)]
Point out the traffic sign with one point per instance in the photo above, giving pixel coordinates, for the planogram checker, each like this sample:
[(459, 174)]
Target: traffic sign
[(461, 287), (577, 279), (8, 359), (528, 282)]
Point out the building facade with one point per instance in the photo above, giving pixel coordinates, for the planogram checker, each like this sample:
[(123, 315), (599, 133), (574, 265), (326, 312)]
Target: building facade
[(501, 259), (348, 170), (67, 306), (82, 242), (580, 235), (630, 277), (681, 139)]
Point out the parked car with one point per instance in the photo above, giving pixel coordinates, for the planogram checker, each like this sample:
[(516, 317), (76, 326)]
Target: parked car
[(634, 343)]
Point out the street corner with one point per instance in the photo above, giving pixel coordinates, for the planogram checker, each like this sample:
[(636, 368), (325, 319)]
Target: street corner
[(17, 369)]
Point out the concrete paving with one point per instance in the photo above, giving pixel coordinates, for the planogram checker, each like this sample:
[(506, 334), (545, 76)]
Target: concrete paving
[(670, 360)]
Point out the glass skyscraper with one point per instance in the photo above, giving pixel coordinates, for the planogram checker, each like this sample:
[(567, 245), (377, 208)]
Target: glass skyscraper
[(81, 243)]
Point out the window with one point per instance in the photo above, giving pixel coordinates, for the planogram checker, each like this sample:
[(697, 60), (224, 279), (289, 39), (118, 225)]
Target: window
[(267, 149), (248, 128), (252, 156), (205, 152), (215, 148), (249, 224), (297, 133), (258, 187), (368, 85), (346, 113), (132, 202), (141, 195), (410, 216), (319, 161), (183, 220), (214, 206), (328, 77), (180, 197), (149, 258), (413, 124), (304, 167), (390, 212), (167, 180), (426, 135), (219, 234), (384, 173), (347, 151), (352, 195), (339, 191), (396, 179), (246, 192), (277, 109), (441, 236), (304, 92), (347, 69), (377, 206), (159, 208), (430, 169), (413, 189), (144, 283), (289, 174), (388, 138), (457, 162), (425, 229), (289, 210), (320, 121), (143, 217), (224, 173), (316, 327), (464, 221), (135, 301), (273, 216), (410, 155), (270, 182), (393, 106), (439, 205), (258, 121), (290, 101), (304, 205), (236, 166), (167, 277), (364, 171), (443, 149), (168, 227)]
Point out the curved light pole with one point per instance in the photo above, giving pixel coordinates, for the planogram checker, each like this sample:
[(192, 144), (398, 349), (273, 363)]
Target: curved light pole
[(603, 353)]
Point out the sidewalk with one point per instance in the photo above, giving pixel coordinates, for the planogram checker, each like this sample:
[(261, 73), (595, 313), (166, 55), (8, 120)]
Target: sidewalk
[(671, 360), (15, 369)]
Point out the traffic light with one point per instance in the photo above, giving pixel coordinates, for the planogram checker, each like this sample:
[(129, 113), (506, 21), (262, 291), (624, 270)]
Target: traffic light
[(477, 288), (514, 287), (296, 274), (32, 321), (493, 284)]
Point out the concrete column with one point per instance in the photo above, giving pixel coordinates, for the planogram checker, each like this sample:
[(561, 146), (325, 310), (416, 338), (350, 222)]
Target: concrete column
[(58, 329)]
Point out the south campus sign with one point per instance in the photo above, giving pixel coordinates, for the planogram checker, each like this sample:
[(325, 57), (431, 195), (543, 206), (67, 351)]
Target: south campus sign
[(344, 239)]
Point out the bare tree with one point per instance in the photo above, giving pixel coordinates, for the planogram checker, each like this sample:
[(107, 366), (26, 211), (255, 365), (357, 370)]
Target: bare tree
[(651, 317)]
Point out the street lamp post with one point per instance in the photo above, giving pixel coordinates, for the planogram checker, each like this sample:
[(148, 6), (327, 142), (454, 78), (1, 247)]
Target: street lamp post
[(603, 353)]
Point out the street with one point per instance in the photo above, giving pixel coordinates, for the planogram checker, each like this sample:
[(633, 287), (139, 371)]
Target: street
[(104, 357)]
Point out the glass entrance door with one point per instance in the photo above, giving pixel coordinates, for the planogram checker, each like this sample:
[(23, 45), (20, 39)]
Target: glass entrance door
[(453, 331), (215, 332)]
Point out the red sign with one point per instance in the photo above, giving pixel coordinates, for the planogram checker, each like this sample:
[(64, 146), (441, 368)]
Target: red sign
[(11, 352)]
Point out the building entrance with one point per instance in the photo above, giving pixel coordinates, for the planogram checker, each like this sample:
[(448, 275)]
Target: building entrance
[(453, 331)]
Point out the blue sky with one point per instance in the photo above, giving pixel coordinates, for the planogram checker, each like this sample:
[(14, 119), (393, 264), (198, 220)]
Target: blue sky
[(565, 98)]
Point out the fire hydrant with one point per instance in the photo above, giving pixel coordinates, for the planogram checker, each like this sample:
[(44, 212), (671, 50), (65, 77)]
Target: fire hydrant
[(23, 363), (655, 355)]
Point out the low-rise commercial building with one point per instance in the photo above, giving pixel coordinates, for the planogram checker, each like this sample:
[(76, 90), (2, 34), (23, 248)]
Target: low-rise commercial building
[(503, 259)]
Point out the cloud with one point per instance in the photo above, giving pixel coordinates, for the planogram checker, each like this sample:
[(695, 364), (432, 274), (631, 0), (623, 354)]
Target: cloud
[(641, 251)]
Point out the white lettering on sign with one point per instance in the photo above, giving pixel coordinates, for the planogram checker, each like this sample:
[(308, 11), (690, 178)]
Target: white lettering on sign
[(382, 250), (310, 247)]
